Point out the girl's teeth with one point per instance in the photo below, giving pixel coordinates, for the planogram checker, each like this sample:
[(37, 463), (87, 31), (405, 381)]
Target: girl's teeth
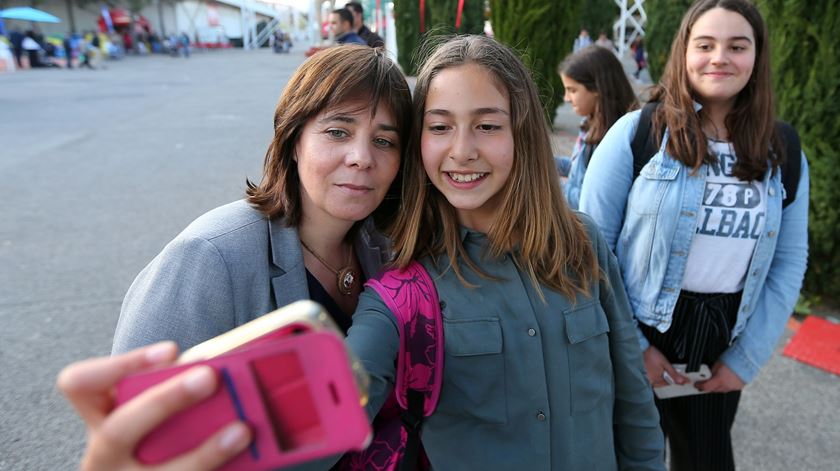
[(462, 178)]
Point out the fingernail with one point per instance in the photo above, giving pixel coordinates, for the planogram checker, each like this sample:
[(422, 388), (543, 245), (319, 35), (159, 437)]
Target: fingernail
[(234, 438), (160, 352), (200, 380)]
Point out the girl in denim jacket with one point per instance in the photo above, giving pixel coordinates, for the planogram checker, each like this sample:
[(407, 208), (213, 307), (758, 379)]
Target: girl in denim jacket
[(711, 259), (598, 90)]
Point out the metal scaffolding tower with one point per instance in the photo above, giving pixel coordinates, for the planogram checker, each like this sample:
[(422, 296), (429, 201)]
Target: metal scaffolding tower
[(630, 24)]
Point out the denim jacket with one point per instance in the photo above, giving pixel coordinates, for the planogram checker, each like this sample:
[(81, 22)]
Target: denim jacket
[(572, 185), (650, 224)]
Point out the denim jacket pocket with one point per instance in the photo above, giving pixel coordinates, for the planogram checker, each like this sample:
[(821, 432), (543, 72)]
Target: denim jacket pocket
[(474, 375), (590, 367), (649, 188)]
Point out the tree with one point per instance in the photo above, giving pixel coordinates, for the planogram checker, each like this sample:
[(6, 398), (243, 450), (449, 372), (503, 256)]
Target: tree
[(663, 21), (599, 15), (407, 21), (804, 46), (439, 19), (543, 31)]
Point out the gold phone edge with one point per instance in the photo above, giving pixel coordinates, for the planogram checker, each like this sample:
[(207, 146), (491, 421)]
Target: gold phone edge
[(306, 312)]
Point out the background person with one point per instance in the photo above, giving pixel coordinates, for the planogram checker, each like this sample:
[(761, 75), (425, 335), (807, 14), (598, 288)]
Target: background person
[(372, 39), (598, 90), (711, 257), (639, 56), (341, 26), (583, 40), (605, 42)]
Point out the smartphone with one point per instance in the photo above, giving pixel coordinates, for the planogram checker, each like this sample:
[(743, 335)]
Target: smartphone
[(287, 374), (294, 319), (687, 389)]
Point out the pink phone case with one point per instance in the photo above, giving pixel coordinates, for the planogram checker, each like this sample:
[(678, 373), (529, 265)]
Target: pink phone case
[(297, 394)]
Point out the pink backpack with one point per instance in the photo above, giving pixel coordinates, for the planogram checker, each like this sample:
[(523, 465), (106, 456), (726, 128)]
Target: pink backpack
[(411, 295)]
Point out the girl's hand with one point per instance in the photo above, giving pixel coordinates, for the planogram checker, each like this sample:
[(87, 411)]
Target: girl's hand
[(723, 380), (114, 434), (658, 369)]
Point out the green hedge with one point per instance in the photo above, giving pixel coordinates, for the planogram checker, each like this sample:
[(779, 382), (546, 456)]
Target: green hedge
[(407, 21), (544, 32), (806, 74), (599, 15), (439, 19), (663, 21)]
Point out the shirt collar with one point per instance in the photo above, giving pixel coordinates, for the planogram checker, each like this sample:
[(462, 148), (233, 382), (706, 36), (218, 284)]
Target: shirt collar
[(471, 235)]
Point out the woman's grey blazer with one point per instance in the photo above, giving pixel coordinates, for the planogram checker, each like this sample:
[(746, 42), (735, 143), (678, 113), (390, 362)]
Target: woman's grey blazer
[(230, 266)]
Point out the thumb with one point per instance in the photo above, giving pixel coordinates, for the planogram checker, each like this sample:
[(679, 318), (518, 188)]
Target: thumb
[(675, 375), (709, 384)]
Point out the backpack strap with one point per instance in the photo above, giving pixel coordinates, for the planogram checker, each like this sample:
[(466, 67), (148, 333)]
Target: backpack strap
[(412, 420), (411, 296), (643, 143), (587, 153), (791, 165)]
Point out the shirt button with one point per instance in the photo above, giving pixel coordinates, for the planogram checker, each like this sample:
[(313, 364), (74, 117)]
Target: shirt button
[(442, 305), (541, 417), (771, 234), (532, 332), (771, 192)]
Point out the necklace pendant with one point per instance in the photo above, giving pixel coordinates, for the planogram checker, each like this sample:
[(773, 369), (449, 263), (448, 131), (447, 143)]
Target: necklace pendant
[(347, 278)]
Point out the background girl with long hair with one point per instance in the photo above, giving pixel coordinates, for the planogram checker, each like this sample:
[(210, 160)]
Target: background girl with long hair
[(598, 90)]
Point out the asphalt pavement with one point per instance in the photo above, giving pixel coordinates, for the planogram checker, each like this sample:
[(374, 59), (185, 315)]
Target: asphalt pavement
[(100, 169)]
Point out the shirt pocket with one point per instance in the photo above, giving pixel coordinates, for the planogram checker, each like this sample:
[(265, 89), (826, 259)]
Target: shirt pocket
[(650, 187), (590, 366), (474, 370)]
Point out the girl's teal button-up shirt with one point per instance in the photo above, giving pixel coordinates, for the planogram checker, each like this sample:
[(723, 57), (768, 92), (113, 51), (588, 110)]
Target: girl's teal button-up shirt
[(527, 384)]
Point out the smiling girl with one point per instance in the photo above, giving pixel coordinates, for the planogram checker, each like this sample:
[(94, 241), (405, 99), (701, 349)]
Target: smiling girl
[(542, 368), (712, 250)]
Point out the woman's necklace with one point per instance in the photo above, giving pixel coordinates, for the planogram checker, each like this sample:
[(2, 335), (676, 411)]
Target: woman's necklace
[(346, 278)]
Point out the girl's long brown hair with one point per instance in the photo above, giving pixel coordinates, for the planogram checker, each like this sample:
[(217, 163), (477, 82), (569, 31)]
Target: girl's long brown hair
[(597, 69), (552, 245), (750, 123)]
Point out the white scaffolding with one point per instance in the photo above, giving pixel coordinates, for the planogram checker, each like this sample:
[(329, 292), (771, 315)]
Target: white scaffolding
[(630, 24)]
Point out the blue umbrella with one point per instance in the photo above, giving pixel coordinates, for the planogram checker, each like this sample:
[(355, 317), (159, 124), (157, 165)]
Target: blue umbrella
[(28, 14)]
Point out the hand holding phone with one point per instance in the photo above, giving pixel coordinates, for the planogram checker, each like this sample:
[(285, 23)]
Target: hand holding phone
[(687, 389), (112, 436), (287, 375)]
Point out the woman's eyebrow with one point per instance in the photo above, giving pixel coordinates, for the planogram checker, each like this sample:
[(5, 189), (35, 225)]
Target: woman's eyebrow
[(387, 127), (712, 38), (341, 117)]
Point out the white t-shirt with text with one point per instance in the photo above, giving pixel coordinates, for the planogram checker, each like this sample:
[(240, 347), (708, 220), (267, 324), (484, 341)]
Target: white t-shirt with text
[(730, 219)]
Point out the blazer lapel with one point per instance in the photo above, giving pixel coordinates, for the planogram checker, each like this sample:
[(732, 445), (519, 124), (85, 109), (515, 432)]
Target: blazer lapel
[(289, 285)]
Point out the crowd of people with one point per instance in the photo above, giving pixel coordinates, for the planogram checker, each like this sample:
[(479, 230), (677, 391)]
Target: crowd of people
[(688, 251), (31, 49)]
